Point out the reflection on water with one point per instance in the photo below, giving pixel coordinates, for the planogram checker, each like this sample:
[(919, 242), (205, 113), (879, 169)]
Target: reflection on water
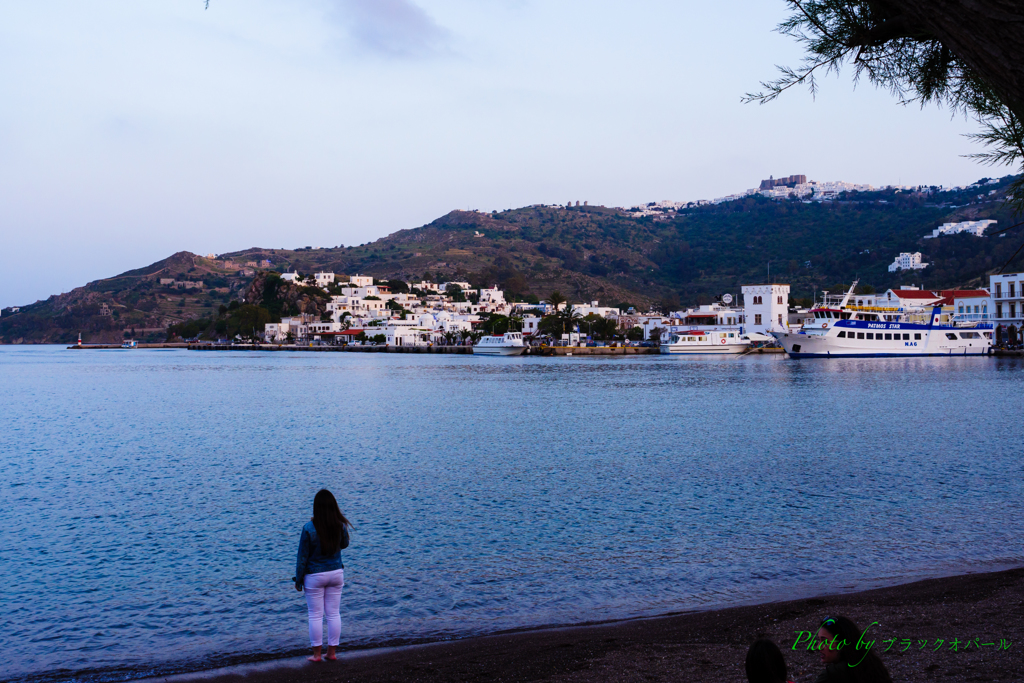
[(152, 501)]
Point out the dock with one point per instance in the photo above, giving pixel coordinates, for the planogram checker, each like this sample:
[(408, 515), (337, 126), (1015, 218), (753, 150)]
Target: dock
[(141, 345), (530, 351)]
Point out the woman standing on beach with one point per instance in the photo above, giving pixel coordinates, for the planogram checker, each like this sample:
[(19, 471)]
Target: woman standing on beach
[(318, 570)]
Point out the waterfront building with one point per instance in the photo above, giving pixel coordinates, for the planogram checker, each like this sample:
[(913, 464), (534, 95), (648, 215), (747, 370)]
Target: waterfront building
[(969, 304), (907, 297), (907, 261), (531, 324), (1007, 292), (712, 316), (765, 307)]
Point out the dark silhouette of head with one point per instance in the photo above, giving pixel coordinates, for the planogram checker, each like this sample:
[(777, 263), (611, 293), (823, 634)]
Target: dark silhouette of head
[(765, 663), (864, 664), (328, 521)]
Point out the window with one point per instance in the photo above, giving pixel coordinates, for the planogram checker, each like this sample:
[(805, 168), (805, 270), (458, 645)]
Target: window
[(950, 336), (961, 309), (999, 289), (917, 336), (871, 335), (780, 301), (1011, 288), (780, 318), (860, 335), (1013, 310), (970, 335), (757, 301), (999, 307), (888, 336), (906, 336), (757, 318), (842, 334)]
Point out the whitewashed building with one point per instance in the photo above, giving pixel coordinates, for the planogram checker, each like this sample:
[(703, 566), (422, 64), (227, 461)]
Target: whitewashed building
[(1007, 291), (324, 279), (976, 228), (765, 307), (907, 261), (594, 307), (360, 281)]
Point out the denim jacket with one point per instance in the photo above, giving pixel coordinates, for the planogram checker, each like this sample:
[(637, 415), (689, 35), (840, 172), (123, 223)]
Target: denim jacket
[(311, 559)]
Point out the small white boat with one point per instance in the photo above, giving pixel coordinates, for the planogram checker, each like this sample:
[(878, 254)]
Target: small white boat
[(508, 344), (705, 342), (129, 344)]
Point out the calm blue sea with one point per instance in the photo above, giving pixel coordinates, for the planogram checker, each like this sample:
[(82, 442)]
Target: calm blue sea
[(151, 501)]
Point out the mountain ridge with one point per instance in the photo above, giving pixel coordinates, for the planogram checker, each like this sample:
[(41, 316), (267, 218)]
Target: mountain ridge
[(588, 253)]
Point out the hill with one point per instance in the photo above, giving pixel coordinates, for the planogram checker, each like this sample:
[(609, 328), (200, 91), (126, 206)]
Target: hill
[(587, 252), (134, 303)]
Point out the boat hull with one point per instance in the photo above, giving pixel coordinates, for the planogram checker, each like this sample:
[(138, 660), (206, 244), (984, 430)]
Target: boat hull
[(703, 349), (933, 343), (499, 350)]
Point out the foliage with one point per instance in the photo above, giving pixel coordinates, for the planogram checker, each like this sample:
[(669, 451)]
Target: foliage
[(455, 293), (885, 44), (397, 286), (598, 327)]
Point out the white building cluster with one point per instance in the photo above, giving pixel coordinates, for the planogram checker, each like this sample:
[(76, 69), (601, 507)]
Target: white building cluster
[(359, 309), (976, 228), (358, 306)]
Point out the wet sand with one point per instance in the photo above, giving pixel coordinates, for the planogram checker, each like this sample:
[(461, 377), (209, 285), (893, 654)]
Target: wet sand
[(711, 646)]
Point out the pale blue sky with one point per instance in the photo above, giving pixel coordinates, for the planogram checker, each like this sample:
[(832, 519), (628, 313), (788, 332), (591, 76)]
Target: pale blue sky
[(130, 130)]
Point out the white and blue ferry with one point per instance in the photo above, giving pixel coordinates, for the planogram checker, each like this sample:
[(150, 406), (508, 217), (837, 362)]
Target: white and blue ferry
[(868, 331)]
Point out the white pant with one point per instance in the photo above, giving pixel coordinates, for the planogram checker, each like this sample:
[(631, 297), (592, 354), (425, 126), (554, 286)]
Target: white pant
[(323, 593)]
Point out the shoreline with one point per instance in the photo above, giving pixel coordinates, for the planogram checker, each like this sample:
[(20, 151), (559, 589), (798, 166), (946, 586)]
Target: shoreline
[(701, 645)]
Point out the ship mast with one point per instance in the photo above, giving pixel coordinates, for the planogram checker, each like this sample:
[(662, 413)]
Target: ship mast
[(849, 294)]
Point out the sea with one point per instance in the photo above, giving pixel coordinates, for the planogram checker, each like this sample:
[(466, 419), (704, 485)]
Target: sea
[(151, 501)]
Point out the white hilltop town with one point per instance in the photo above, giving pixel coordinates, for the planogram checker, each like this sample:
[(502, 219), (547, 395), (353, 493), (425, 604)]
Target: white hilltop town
[(792, 187)]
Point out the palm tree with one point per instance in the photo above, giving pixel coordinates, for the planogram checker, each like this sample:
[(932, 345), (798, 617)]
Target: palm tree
[(569, 315), (556, 299)]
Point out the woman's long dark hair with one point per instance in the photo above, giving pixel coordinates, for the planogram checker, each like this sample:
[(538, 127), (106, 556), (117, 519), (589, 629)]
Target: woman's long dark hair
[(866, 668), (328, 520), (765, 663)]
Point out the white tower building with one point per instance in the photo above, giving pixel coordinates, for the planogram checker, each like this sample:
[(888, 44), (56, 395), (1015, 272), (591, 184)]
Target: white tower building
[(765, 307)]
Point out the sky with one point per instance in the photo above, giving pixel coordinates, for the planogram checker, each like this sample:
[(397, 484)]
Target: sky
[(132, 130)]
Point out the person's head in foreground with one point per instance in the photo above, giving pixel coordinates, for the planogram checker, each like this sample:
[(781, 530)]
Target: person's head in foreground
[(845, 656), (765, 663)]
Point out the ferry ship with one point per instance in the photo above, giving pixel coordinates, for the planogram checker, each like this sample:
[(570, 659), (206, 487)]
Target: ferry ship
[(508, 344), (839, 329), (705, 342)]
